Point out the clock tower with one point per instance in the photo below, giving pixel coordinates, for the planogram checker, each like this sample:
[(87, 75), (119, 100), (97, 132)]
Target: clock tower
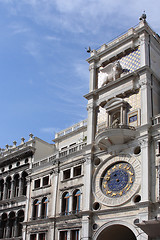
[(123, 130)]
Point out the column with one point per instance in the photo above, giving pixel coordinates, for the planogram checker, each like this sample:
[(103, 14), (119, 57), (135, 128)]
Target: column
[(39, 208), (145, 170), (93, 77), (121, 116), (85, 228), (5, 189), (70, 202), (20, 187), (13, 188), (107, 119), (55, 195), (7, 229), (87, 187), (68, 235), (146, 108), (144, 49), (124, 116), (16, 227), (91, 126), (27, 214)]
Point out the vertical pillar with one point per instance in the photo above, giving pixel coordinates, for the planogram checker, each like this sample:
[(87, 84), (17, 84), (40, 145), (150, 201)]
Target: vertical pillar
[(107, 119), (93, 76), (85, 228), (20, 187), (16, 227), (124, 116), (144, 50), (54, 182), (91, 122), (68, 235), (39, 209), (26, 215), (7, 229), (70, 202), (145, 170), (5, 190), (87, 187), (146, 109), (12, 188), (121, 115)]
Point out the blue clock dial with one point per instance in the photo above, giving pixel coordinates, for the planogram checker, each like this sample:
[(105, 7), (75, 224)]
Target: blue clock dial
[(118, 179)]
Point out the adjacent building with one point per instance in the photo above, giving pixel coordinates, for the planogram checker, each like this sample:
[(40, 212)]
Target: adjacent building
[(100, 178)]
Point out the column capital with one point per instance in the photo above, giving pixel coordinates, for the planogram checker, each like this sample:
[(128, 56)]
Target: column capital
[(92, 66)]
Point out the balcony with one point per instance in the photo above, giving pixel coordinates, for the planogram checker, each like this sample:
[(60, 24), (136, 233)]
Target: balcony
[(113, 135)]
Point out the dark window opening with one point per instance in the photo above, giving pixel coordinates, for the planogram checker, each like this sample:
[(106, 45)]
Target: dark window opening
[(45, 181), (1, 189), (66, 174), (75, 235), (35, 209), (37, 183), (44, 208), (65, 204), (42, 236), (63, 235), (76, 201), (33, 237), (77, 171)]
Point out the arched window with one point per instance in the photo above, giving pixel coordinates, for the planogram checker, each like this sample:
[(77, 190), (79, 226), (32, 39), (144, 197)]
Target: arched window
[(11, 225), (44, 208), (8, 187), (65, 203), (1, 189), (16, 186), (35, 209), (76, 201), (24, 183), (4, 225), (20, 219)]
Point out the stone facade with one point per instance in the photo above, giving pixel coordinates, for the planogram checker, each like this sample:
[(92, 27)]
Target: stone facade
[(100, 178)]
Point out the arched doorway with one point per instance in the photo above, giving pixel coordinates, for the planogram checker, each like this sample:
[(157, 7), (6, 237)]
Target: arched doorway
[(116, 232)]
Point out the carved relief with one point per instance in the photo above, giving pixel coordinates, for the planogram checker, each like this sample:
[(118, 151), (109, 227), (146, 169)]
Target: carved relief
[(110, 73)]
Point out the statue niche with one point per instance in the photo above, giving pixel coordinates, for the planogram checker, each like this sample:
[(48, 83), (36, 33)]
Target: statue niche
[(111, 72), (115, 120)]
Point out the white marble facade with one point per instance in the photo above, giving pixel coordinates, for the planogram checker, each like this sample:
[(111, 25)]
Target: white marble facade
[(100, 178)]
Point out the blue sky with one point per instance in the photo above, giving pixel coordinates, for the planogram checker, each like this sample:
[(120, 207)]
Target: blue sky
[(43, 71)]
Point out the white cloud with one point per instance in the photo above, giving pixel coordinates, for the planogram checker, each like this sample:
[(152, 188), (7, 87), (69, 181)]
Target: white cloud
[(33, 49), (50, 130), (52, 38), (19, 29), (89, 15)]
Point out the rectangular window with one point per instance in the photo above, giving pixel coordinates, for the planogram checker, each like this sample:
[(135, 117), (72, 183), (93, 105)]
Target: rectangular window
[(66, 174), (42, 236), (63, 235), (45, 181), (33, 237), (37, 183), (133, 118), (77, 171), (75, 235)]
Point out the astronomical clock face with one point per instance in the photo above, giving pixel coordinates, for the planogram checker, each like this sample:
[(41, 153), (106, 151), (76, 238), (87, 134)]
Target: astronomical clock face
[(116, 180)]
